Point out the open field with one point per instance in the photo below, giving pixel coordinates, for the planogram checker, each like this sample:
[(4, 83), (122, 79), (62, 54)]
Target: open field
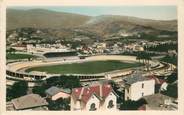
[(91, 67), (14, 56)]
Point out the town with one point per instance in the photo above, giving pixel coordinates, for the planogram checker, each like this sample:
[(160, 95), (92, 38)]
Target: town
[(83, 70)]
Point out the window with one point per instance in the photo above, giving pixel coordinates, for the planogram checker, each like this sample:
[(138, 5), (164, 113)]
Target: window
[(142, 94), (93, 107), (110, 104), (142, 85), (127, 90)]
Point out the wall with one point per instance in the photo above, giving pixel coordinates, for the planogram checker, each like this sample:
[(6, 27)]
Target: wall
[(93, 99), (136, 89), (113, 97), (60, 95)]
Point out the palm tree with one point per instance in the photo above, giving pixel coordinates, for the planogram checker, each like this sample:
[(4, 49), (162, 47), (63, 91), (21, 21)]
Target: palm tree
[(147, 58), (138, 57)]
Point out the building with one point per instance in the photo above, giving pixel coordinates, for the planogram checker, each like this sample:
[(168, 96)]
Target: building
[(101, 45), (27, 102), (92, 98), (55, 93), (19, 47), (138, 48), (160, 102), (172, 52), (138, 86), (160, 83)]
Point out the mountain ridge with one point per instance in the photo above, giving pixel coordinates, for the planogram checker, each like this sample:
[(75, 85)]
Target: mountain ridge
[(42, 18)]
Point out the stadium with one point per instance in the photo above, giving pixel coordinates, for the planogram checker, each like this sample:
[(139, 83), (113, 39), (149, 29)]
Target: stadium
[(86, 68)]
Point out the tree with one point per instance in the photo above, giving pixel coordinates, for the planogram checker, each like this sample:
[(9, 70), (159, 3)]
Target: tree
[(172, 78), (60, 104), (114, 85), (128, 105), (138, 57), (40, 90), (63, 81), (170, 59), (18, 89), (141, 56), (11, 50), (132, 105), (172, 90), (9, 94), (70, 82), (147, 57)]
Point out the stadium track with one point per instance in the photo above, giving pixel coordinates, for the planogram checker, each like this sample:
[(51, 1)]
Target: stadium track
[(16, 71)]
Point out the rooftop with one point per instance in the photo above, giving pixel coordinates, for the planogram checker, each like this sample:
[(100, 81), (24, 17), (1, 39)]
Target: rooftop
[(160, 102), (29, 101), (84, 93), (38, 73), (54, 90), (133, 79)]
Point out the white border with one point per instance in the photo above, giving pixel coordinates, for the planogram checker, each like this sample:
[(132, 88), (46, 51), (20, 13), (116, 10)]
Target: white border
[(4, 4)]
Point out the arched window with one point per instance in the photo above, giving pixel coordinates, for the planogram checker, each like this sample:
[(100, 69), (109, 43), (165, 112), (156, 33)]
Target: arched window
[(92, 107), (110, 104)]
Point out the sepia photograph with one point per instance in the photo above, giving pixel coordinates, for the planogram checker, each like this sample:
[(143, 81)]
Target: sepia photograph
[(92, 58)]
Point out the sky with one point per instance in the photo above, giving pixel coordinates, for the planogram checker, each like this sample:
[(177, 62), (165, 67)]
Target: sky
[(146, 12)]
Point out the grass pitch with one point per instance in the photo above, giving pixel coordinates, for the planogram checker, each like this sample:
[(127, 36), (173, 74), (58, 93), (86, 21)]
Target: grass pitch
[(93, 67), (12, 56)]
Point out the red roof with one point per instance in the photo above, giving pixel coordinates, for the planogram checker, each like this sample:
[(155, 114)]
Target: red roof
[(142, 108), (87, 92), (19, 45)]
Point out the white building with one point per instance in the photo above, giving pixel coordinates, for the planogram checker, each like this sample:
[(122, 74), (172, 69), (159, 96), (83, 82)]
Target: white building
[(138, 48), (44, 48), (97, 97), (138, 86), (101, 45)]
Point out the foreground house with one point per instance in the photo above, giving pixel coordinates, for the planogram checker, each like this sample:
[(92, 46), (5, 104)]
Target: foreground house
[(55, 93), (138, 86), (92, 98), (28, 102)]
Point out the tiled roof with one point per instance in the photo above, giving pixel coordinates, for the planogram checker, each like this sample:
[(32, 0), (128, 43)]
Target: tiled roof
[(66, 90), (84, 93), (54, 90), (29, 101), (133, 79)]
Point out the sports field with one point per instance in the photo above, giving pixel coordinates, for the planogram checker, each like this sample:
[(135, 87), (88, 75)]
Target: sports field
[(92, 67), (15, 56)]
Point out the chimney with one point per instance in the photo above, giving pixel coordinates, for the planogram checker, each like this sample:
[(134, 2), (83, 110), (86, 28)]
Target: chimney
[(81, 93), (101, 90)]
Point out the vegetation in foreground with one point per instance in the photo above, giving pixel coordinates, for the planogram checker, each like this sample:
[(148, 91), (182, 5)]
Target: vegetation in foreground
[(18, 89), (170, 59)]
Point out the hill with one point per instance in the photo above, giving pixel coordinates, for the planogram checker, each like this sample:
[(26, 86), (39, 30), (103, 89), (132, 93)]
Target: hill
[(112, 23), (67, 25), (40, 18)]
